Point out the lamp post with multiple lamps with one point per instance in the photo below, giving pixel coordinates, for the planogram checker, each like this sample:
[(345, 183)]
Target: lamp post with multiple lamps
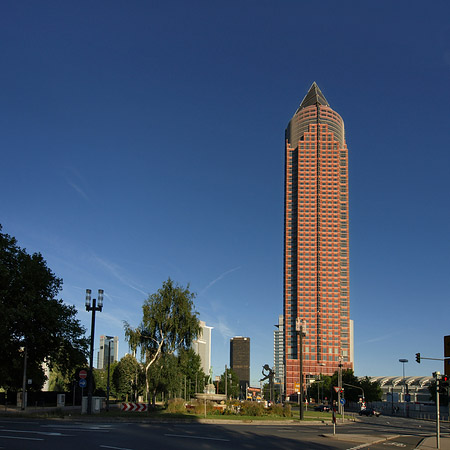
[(93, 308), (405, 386)]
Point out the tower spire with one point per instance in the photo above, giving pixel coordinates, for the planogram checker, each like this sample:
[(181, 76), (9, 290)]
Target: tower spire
[(313, 97)]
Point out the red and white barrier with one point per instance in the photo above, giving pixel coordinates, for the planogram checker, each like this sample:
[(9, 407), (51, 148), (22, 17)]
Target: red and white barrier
[(134, 407)]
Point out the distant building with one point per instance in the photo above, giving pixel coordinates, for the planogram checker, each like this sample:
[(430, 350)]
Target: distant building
[(395, 389), (278, 355), (316, 241), (102, 361), (202, 346), (240, 360)]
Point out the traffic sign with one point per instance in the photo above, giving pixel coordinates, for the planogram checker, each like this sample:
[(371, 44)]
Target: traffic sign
[(82, 383), (297, 387), (134, 407), (342, 401), (337, 388), (82, 374)]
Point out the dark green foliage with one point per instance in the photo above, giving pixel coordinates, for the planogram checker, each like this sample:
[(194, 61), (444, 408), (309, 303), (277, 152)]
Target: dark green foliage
[(33, 317), (325, 387), (169, 324), (233, 388), (252, 409), (128, 378)]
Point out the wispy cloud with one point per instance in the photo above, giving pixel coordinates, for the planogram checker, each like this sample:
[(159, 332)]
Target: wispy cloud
[(71, 174), (78, 189), (218, 279), (223, 329), (116, 272), (379, 338)]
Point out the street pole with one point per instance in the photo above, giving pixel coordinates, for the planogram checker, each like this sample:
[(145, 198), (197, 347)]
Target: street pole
[(109, 364), (24, 379), (226, 382), (437, 376), (340, 385), (92, 308), (299, 327), (405, 387)]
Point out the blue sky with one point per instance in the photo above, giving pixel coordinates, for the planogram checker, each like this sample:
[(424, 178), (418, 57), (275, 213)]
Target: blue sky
[(142, 140)]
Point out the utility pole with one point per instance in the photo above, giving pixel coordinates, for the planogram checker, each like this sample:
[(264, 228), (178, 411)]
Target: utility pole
[(437, 377), (301, 329), (340, 385), (24, 379), (226, 382)]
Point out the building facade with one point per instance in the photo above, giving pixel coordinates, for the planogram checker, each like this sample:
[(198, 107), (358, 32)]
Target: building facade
[(240, 360), (107, 343), (278, 355), (202, 346), (316, 241)]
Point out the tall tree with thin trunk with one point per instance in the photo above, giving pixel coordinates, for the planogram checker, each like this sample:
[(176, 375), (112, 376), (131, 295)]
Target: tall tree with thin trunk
[(169, 323)]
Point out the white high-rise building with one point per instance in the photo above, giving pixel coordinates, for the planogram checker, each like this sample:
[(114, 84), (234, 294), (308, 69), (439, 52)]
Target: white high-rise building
[(278, 354), (202, 346), (107, 342)]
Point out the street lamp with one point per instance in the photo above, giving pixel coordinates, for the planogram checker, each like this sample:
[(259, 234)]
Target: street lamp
[(92, 308), (109, 363), (405, 386)]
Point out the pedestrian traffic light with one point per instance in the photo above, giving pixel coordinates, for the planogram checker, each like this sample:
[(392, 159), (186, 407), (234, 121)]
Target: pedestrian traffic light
[(418, 357)]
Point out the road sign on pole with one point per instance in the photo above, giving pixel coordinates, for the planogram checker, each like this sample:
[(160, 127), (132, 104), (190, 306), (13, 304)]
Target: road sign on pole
[(82, 383), (82, 374)]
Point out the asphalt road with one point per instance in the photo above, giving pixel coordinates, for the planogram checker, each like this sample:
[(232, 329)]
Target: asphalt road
[(370, 432)]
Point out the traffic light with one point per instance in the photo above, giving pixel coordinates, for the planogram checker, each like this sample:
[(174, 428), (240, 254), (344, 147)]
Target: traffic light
[(442, 384), (418, 357)]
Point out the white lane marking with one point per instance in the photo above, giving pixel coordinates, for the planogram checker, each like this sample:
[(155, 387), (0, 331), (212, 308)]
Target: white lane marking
[(117, 448), (77, 428), (196, 437), (22, 438), (36, 432)]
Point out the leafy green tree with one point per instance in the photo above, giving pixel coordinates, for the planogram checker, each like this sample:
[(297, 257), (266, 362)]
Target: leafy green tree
[(372, 389), (190, 366), (128, 378), (101, 380), (233, 388), (169, 324), (165, 376), (34, 319)]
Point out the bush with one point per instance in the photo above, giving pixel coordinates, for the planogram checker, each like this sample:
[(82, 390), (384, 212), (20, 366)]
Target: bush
[(176, 405), (252, 409)]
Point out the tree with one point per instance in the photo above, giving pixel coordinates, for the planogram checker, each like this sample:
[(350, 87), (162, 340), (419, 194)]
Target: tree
[(34, 319), (233, 388), (101, 380), (169, 324), (190, 367), (128, 378), (372, 389)]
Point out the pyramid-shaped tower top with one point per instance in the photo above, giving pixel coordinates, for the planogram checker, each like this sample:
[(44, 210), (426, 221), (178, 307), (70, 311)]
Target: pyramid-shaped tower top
[(313, 97)]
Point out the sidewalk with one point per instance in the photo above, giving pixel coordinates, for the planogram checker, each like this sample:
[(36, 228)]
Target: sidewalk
[(430, 442)]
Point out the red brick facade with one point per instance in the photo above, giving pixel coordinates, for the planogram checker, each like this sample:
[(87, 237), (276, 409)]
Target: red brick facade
[(316, 248)]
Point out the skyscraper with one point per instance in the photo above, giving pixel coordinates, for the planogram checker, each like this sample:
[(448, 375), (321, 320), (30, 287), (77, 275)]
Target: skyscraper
[(107, 342), (240, 360), (316, 241), (278, 354), (202, 346)]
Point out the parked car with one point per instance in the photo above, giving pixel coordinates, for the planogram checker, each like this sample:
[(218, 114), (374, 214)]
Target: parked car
[(322, 408), (369, 412)]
